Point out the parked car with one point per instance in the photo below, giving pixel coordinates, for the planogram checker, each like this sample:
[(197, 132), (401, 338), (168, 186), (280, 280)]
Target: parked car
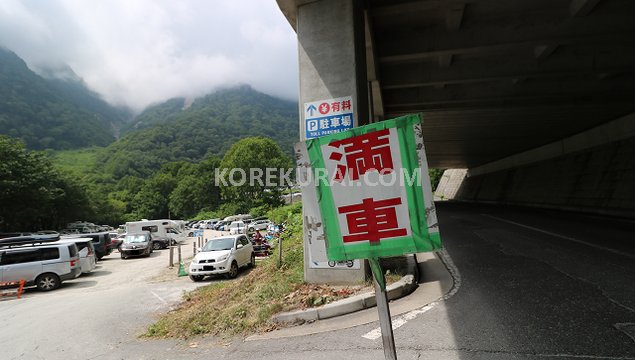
[(138, 244), (86, 252), (101, 242), (45, 265), (222, 255), (210, 223), (220, 226), (259, 225), (195, 232), (237, 227), (161, 242), (115, 242)]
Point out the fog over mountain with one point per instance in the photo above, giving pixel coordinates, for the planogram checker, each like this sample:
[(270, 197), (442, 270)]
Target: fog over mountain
[(136, 53)]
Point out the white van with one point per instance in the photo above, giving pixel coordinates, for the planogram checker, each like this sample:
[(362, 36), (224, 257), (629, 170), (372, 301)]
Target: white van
[(158, 228), (86, 252), (44, 266)]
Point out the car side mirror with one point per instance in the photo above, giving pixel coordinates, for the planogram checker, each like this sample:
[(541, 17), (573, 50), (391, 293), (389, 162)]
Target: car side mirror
[(239, 246)]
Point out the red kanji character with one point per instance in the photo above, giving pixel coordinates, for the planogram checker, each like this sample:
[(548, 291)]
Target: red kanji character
[(335, 106), (372, 220), (363, 153), (346, 105)]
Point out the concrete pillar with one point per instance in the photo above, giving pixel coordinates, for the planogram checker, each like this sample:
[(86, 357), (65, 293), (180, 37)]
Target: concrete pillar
[(332, 65)]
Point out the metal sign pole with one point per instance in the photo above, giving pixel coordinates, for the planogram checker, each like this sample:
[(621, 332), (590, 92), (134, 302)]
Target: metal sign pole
[(385, 322), (279, 250)]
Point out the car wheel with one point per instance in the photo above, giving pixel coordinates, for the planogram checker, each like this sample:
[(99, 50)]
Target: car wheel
[(123, 256), (233, 270), (47, 282), (252, 263), (156, 245), (196, 278)]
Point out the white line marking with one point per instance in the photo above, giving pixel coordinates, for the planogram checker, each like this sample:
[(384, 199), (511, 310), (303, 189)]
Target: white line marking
[(563, 237), (158, 297), (400, 321)]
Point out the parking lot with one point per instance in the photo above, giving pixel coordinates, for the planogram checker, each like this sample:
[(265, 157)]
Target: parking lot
[(97, 314)]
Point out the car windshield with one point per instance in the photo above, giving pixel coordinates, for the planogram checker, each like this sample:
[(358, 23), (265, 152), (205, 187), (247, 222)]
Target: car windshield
[(219, 244), (135, 239)]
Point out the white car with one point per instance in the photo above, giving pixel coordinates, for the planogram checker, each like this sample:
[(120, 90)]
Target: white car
[(86, 252), (237, 227), (223, 255), (259, 225)]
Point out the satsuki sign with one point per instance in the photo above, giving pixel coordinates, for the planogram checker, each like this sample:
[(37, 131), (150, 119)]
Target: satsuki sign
[(373, 190), (329, 116)]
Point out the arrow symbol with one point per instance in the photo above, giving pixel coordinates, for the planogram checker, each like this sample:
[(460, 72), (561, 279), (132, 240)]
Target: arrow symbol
[(311, 109)]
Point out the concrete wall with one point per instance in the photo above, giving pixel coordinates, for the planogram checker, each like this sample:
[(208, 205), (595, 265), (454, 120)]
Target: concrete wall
[(599, 179), (449, 184)]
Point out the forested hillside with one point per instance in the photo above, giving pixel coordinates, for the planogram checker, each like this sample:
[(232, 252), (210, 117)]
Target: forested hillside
[(167, 132), (53, 113)]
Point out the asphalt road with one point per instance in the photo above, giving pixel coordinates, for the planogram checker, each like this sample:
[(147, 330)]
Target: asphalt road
[(534, 284)]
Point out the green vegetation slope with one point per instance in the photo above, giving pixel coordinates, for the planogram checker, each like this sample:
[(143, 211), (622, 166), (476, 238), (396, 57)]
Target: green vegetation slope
[(53, 113), (169, 132)]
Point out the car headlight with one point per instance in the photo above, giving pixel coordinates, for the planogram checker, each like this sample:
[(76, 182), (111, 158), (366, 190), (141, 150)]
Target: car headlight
[(222, 258)]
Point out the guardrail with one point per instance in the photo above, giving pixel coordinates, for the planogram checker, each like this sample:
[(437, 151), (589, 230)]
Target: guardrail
[(12, 292)]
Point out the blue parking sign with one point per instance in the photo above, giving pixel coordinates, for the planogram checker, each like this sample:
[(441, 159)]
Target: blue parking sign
[(327, 117)]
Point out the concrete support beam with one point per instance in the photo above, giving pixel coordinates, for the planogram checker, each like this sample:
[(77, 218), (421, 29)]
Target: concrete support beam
[(445, 61), (415, 7), (562, 91), (541, 52), (454, 16), (374, 84), (582, 7), (505, 37), (616, 130), (332, 57), (401, 76)]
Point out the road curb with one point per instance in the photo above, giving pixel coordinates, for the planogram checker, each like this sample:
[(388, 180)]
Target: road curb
[(406, 285)]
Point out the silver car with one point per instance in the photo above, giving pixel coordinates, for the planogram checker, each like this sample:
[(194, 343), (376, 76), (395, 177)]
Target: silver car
[(44, 266)]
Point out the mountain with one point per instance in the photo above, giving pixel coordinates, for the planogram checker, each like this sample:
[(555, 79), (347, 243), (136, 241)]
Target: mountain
[(157, 114), (209, 126), (53, 111)]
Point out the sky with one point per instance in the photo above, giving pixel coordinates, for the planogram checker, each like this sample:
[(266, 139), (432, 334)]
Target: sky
[(140, 52)]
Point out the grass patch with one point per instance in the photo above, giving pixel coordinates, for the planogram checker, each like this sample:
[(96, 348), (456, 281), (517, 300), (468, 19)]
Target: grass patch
[(78, 162), (243, 305)]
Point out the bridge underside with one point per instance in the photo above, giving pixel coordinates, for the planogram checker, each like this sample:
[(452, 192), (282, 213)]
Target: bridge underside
[(503, 86)]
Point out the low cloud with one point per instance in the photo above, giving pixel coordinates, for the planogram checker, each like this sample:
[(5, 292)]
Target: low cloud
[(140, 52)]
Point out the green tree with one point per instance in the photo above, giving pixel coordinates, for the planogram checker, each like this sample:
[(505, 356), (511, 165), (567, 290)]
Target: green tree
[(435, 177), (33, 195), (151, 202), (253, 155)]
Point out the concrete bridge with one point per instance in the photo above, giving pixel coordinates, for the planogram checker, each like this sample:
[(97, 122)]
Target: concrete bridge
[(533, 99)]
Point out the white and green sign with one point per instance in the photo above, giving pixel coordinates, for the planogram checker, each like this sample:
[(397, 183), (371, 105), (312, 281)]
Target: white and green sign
[(373, 190)]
